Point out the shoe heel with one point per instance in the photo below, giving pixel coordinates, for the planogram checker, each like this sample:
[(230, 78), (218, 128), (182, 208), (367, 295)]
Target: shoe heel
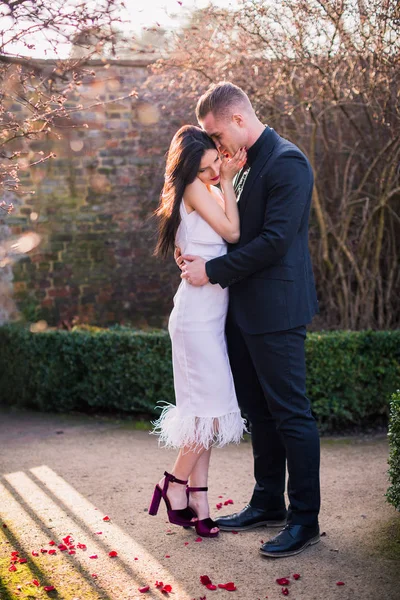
[(155, 501)]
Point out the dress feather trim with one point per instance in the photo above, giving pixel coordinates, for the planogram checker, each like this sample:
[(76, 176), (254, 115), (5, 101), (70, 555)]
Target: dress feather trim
[(176, 431)]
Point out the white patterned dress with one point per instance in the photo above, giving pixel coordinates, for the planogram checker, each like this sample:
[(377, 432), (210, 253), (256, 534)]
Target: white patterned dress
[(206, 411)]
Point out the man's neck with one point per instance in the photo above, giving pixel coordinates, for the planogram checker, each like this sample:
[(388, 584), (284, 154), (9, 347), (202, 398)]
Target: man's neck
[(255, 130)]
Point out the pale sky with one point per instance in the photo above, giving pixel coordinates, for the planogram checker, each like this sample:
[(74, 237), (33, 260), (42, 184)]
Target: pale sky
[(145, 12), (139, 14)]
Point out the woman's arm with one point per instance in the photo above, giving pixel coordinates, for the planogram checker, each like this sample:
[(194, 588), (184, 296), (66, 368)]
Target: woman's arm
[(224, 220)]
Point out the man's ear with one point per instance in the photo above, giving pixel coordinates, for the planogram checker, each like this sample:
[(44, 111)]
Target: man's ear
[(238, 119)]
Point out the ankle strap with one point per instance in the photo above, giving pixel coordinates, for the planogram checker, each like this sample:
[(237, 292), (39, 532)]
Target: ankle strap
[(173, 479), (197, 489)]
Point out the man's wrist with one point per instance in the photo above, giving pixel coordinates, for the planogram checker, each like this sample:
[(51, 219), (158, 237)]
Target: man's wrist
[(208, 274)]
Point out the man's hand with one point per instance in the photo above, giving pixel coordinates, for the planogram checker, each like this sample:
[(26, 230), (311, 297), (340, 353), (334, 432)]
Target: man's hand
[(194, 271)]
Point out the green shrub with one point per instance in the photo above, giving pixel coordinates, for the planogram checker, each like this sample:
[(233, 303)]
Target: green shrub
[(350, 375), (393, 493), (116, 369)]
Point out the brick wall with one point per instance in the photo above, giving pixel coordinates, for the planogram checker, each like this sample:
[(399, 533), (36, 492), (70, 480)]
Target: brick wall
[(92, 208)]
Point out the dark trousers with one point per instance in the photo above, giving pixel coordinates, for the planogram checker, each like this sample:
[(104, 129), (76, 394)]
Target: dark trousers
[(269, 373)]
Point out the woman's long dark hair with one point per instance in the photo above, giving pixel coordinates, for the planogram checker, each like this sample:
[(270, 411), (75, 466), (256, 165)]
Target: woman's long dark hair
[(183, 162)]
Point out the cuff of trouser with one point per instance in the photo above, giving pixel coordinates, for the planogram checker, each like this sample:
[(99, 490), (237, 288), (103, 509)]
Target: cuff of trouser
[(264, 502)]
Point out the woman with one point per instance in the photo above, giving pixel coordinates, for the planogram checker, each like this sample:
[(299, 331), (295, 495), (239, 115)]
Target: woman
[(197, 217)]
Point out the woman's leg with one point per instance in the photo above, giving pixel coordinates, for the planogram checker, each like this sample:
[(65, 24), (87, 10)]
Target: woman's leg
[(199, 478), (185, 463)]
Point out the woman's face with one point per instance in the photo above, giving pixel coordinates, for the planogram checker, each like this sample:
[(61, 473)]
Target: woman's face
[(210, 165)]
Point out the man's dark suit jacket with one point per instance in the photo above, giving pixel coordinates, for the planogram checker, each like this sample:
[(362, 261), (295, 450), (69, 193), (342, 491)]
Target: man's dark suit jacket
[(269, 271)]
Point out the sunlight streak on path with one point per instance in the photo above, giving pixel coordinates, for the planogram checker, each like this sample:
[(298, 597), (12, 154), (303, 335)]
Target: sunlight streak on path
[(18, 520), (119, 577), (146, 568)]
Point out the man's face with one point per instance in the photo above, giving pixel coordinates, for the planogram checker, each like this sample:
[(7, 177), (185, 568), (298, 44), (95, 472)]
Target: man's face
[(228, 134)]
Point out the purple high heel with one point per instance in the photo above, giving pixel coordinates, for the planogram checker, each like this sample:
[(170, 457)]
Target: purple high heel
[(203, 526), (182, 516)]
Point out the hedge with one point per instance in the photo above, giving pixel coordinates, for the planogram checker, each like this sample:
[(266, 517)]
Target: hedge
[(393, 493), (350, 375)]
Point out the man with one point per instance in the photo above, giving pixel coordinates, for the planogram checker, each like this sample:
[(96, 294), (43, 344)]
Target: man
[(272, 298)]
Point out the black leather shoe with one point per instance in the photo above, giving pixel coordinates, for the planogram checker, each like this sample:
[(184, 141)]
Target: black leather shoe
[(250, 518), (293, 539)]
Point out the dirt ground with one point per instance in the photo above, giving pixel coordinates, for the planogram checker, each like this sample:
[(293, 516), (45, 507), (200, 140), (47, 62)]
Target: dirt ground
[(61, 475)]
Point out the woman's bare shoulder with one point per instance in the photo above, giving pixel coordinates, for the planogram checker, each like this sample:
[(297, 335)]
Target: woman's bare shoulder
[(195, 186)]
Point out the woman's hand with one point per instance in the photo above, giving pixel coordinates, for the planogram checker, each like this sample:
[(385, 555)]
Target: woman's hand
[(178, 258), (231, 166)]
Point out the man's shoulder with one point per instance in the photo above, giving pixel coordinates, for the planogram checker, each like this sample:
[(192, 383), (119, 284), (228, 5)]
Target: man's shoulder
[(285, 162), (286, 154), (286, 148)]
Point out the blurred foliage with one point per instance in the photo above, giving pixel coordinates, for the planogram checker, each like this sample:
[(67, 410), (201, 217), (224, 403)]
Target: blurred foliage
[(324, 74), (350, 375)]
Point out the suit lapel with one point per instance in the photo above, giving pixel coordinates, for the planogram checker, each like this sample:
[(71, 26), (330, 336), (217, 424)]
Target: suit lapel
[(265, 152)]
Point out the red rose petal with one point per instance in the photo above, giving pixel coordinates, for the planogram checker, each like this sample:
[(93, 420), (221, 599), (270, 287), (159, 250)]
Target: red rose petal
[(205, 580), (35, 582), (52, 543), (228, 502), (199, 539), (167, 556), (43, 550), (94, 575), (167, 589), (62, 547), (296, 576), (159, 584), (71, 551), (219, 505), (283, 581), (34, 553), (211, 586), (12, 568), (5, 526), (49, 588), (340, 583), (106, 518), (22, 561), (230, 586), (285, 591), (99, 532), (234, 532), (68, 540), (93, 556), (113, 553), (144, 589), (81, 546), (14, 553), (220, 496), (136, 558), (186, 544), (53, 552)]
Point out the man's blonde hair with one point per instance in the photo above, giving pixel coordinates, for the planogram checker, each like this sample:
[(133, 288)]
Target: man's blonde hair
[(219, 100)]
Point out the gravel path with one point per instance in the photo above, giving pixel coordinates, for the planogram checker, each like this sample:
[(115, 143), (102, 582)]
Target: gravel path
[(61, 475)]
